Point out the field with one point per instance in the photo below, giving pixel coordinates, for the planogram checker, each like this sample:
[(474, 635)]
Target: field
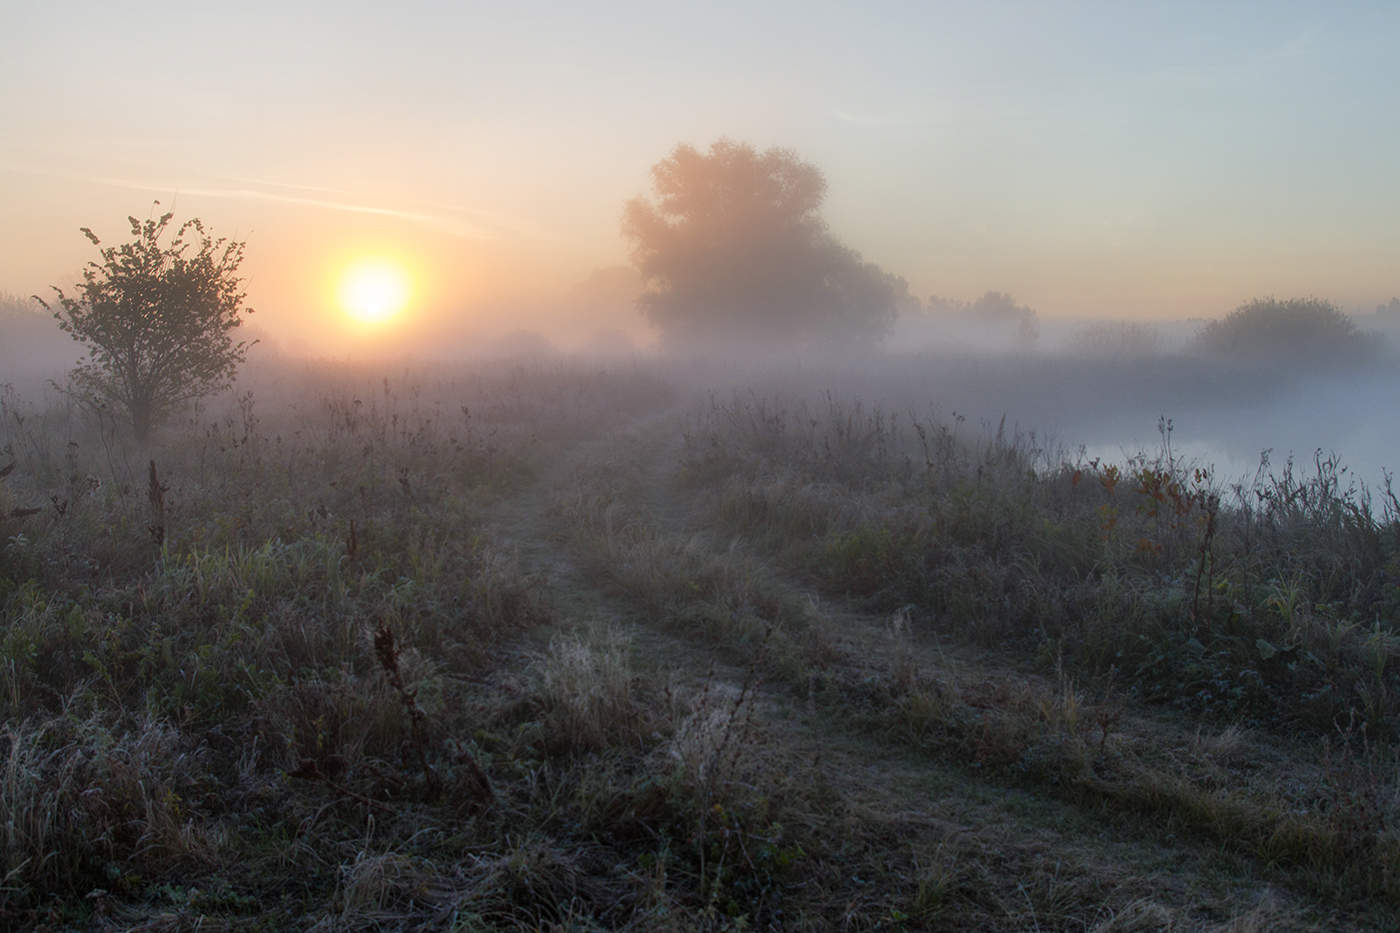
[(565, 646)]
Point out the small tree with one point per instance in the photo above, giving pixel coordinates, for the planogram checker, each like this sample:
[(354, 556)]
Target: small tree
[(157, 320)]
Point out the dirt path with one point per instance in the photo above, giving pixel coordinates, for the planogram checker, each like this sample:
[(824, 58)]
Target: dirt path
[(984, 847), (529, 528)]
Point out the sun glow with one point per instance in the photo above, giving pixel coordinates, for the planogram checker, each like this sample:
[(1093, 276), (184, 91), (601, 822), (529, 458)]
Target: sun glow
[(373, 291)]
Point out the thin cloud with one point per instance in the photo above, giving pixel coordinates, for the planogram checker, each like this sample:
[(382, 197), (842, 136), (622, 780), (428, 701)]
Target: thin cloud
[(265, 183), (497, 222), (450, 225), (454, 226)]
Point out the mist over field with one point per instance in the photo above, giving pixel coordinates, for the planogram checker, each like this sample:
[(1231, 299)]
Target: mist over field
[(1098, 385), (641, 467), (544, 620)]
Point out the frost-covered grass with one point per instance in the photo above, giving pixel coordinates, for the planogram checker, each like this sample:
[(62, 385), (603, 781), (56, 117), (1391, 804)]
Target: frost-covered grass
[(552, 647)]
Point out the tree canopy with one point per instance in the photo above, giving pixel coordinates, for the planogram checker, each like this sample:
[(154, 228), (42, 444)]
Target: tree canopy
[(995, 316), (1293, 329), (734, 248), (157, 320)]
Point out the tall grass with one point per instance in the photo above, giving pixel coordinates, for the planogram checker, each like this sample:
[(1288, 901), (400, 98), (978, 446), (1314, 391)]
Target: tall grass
[(1271, 599), (512, 650)]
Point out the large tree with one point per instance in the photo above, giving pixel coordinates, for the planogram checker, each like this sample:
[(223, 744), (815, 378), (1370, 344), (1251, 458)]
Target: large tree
[(734, 248), (157, 320)]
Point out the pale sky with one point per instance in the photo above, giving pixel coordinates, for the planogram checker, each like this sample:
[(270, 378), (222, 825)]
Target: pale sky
[(1111, 159)]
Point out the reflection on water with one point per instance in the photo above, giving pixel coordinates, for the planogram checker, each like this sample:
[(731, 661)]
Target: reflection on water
[(1352, 422), (1222, 416)]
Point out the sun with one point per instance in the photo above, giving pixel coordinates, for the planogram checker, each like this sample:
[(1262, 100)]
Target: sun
[(373, 291)]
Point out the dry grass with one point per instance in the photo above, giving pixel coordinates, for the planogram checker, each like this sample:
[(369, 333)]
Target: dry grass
[(83, 795), (764, 666), (589, 697)]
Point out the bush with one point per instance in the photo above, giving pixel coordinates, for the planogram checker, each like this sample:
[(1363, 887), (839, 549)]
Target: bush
[(157, 320), (1296, 329)]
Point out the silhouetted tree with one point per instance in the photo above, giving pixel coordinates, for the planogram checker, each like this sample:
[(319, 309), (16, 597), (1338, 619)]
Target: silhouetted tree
[(995, 315), (735, 249), (1296, 329), (1000, 309), (157, 320)]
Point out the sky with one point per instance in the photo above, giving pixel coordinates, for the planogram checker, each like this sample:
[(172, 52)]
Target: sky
[(1143, 161)]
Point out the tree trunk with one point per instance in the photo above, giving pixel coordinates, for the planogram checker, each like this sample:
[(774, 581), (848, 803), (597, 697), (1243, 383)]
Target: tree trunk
[(141, 421)]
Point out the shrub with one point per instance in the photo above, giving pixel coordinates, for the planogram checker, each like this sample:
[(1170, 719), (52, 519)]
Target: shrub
[(157, 320), (1294, 330)]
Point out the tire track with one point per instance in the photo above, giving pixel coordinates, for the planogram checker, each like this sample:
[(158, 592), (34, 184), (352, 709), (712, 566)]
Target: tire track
[(884, 790)]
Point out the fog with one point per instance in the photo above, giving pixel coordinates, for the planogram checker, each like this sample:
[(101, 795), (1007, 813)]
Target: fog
[(1082, 389), (737, 282)]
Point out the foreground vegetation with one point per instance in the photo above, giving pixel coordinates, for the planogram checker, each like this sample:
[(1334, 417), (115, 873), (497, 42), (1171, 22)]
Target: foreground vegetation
[(560, 648)]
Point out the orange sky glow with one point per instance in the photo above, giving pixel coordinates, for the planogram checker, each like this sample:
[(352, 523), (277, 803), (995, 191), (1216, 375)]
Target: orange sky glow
[(1162, 162)]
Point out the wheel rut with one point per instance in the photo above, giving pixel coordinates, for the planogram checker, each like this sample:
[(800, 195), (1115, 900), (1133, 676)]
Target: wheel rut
[(924, 806)]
